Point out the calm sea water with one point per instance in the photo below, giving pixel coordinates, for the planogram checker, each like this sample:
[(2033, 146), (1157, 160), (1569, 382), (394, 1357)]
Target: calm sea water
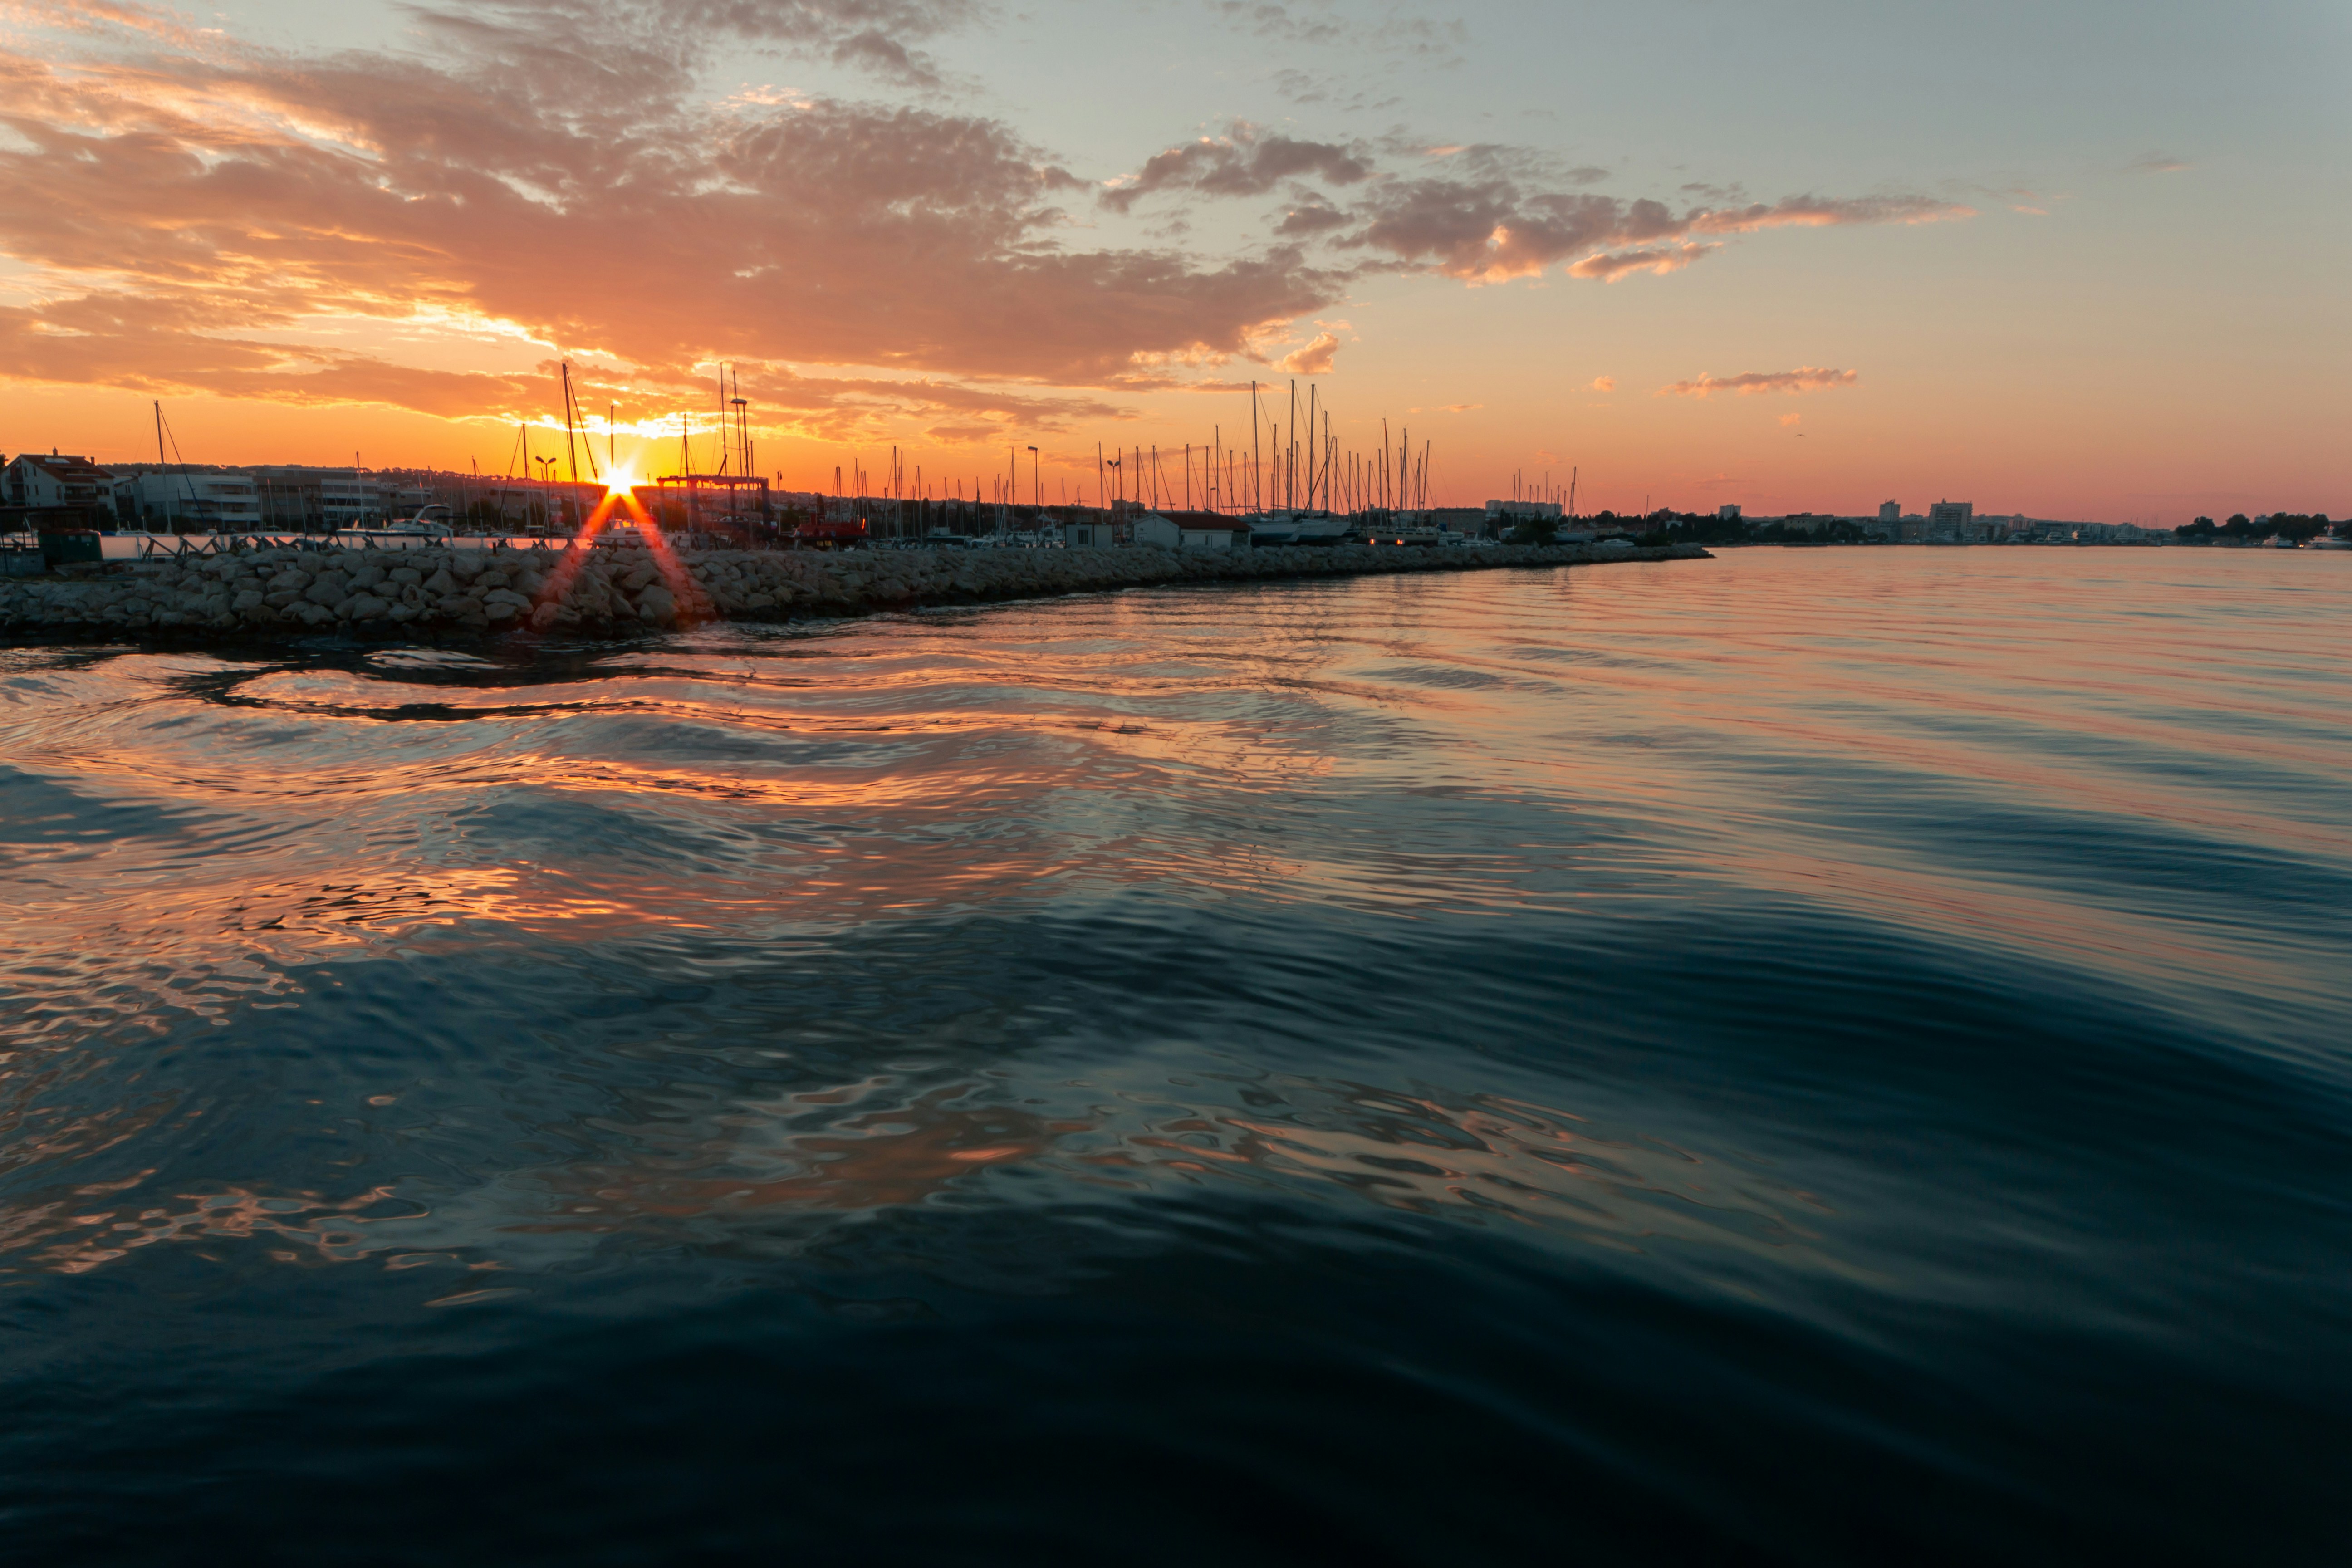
[(1819, 1056)]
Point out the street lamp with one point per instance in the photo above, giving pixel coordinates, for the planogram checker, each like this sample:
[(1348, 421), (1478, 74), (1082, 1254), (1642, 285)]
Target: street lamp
[(1037, 489)]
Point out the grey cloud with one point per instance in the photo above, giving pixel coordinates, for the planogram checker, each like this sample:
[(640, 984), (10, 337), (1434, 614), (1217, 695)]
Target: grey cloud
[(1310, 217), (801, 21), (1487, 229), (869, 35), (1300, 88), (1320, 23), (1292, 24), (1245, 162), (886, 57)]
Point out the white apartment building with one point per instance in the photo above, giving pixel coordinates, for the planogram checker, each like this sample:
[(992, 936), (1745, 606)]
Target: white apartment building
[(31, 479), (179, 501)]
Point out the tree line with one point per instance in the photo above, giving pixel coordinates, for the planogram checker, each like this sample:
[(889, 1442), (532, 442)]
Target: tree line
[(2297, 526)]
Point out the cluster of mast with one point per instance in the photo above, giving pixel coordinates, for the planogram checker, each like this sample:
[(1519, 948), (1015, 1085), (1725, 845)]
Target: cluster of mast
[(1285, 466), (736, 447)]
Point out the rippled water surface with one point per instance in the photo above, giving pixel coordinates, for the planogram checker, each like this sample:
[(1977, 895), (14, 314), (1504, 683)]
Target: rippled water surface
[(1818, 1056)]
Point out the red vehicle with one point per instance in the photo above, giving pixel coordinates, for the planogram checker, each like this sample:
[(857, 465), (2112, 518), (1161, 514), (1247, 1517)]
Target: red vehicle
[(843, 535)]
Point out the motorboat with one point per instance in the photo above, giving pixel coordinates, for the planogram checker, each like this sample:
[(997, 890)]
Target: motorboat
[(430, 522), (1271, 528), (1298, 527), (1320, 527)]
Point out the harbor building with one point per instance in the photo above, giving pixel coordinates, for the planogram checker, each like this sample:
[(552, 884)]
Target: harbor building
[(58, 483), (181, 499), (1188, 531), (296, 497)]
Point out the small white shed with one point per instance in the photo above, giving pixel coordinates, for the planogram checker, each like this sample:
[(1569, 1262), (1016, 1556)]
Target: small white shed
[(1190, 531)]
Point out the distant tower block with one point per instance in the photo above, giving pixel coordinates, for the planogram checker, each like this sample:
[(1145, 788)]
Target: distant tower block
[(1890, 512), (1951, 512), (1726, 514)]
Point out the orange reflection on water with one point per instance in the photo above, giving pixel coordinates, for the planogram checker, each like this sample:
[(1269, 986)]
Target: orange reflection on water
[(82, 1238), (885, 1158), (1488, 1157)]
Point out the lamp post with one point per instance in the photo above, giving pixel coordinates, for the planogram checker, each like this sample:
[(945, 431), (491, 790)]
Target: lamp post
[(1037, 489)]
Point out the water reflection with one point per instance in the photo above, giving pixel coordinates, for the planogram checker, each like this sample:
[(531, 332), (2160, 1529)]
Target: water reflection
[(1271, 1041), (1326, 781), (89, 1226)]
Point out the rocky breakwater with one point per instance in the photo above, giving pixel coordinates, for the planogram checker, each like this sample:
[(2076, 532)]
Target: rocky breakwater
[(467, 592)]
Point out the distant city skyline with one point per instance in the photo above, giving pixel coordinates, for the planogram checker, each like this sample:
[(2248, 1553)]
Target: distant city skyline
[(2078, 262)]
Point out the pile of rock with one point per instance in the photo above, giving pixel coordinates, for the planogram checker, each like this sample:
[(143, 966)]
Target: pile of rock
[(470, 592)]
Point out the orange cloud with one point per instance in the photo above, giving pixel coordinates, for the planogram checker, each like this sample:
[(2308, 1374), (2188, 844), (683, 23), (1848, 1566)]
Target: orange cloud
[(577, 194), (1823, 212), (1314, 359), (1604, 383), (1805, 378), (187, 213), (1611, 266)]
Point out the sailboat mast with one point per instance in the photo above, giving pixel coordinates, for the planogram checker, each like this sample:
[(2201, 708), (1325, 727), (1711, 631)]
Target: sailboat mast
[(1314, 463), (571, 447)]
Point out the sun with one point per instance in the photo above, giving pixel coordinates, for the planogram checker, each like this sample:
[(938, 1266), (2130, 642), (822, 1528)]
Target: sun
[(620, 481)]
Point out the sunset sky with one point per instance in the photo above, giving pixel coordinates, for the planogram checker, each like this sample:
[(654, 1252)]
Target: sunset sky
[(2073, 260)]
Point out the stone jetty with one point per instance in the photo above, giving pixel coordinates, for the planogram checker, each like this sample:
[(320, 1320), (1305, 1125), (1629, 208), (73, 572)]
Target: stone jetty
[(454, 594)]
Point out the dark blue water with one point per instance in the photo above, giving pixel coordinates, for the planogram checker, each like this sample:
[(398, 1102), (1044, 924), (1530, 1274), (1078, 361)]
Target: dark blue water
[(1816, 1057)]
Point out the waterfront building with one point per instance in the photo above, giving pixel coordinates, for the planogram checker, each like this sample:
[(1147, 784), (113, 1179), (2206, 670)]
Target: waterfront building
[(181, 500), (1190, 531), (58, 483), (1890, 512), (295, 496)]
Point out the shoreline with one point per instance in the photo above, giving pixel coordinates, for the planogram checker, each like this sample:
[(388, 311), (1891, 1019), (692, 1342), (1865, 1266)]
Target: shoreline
[(441, 594)]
